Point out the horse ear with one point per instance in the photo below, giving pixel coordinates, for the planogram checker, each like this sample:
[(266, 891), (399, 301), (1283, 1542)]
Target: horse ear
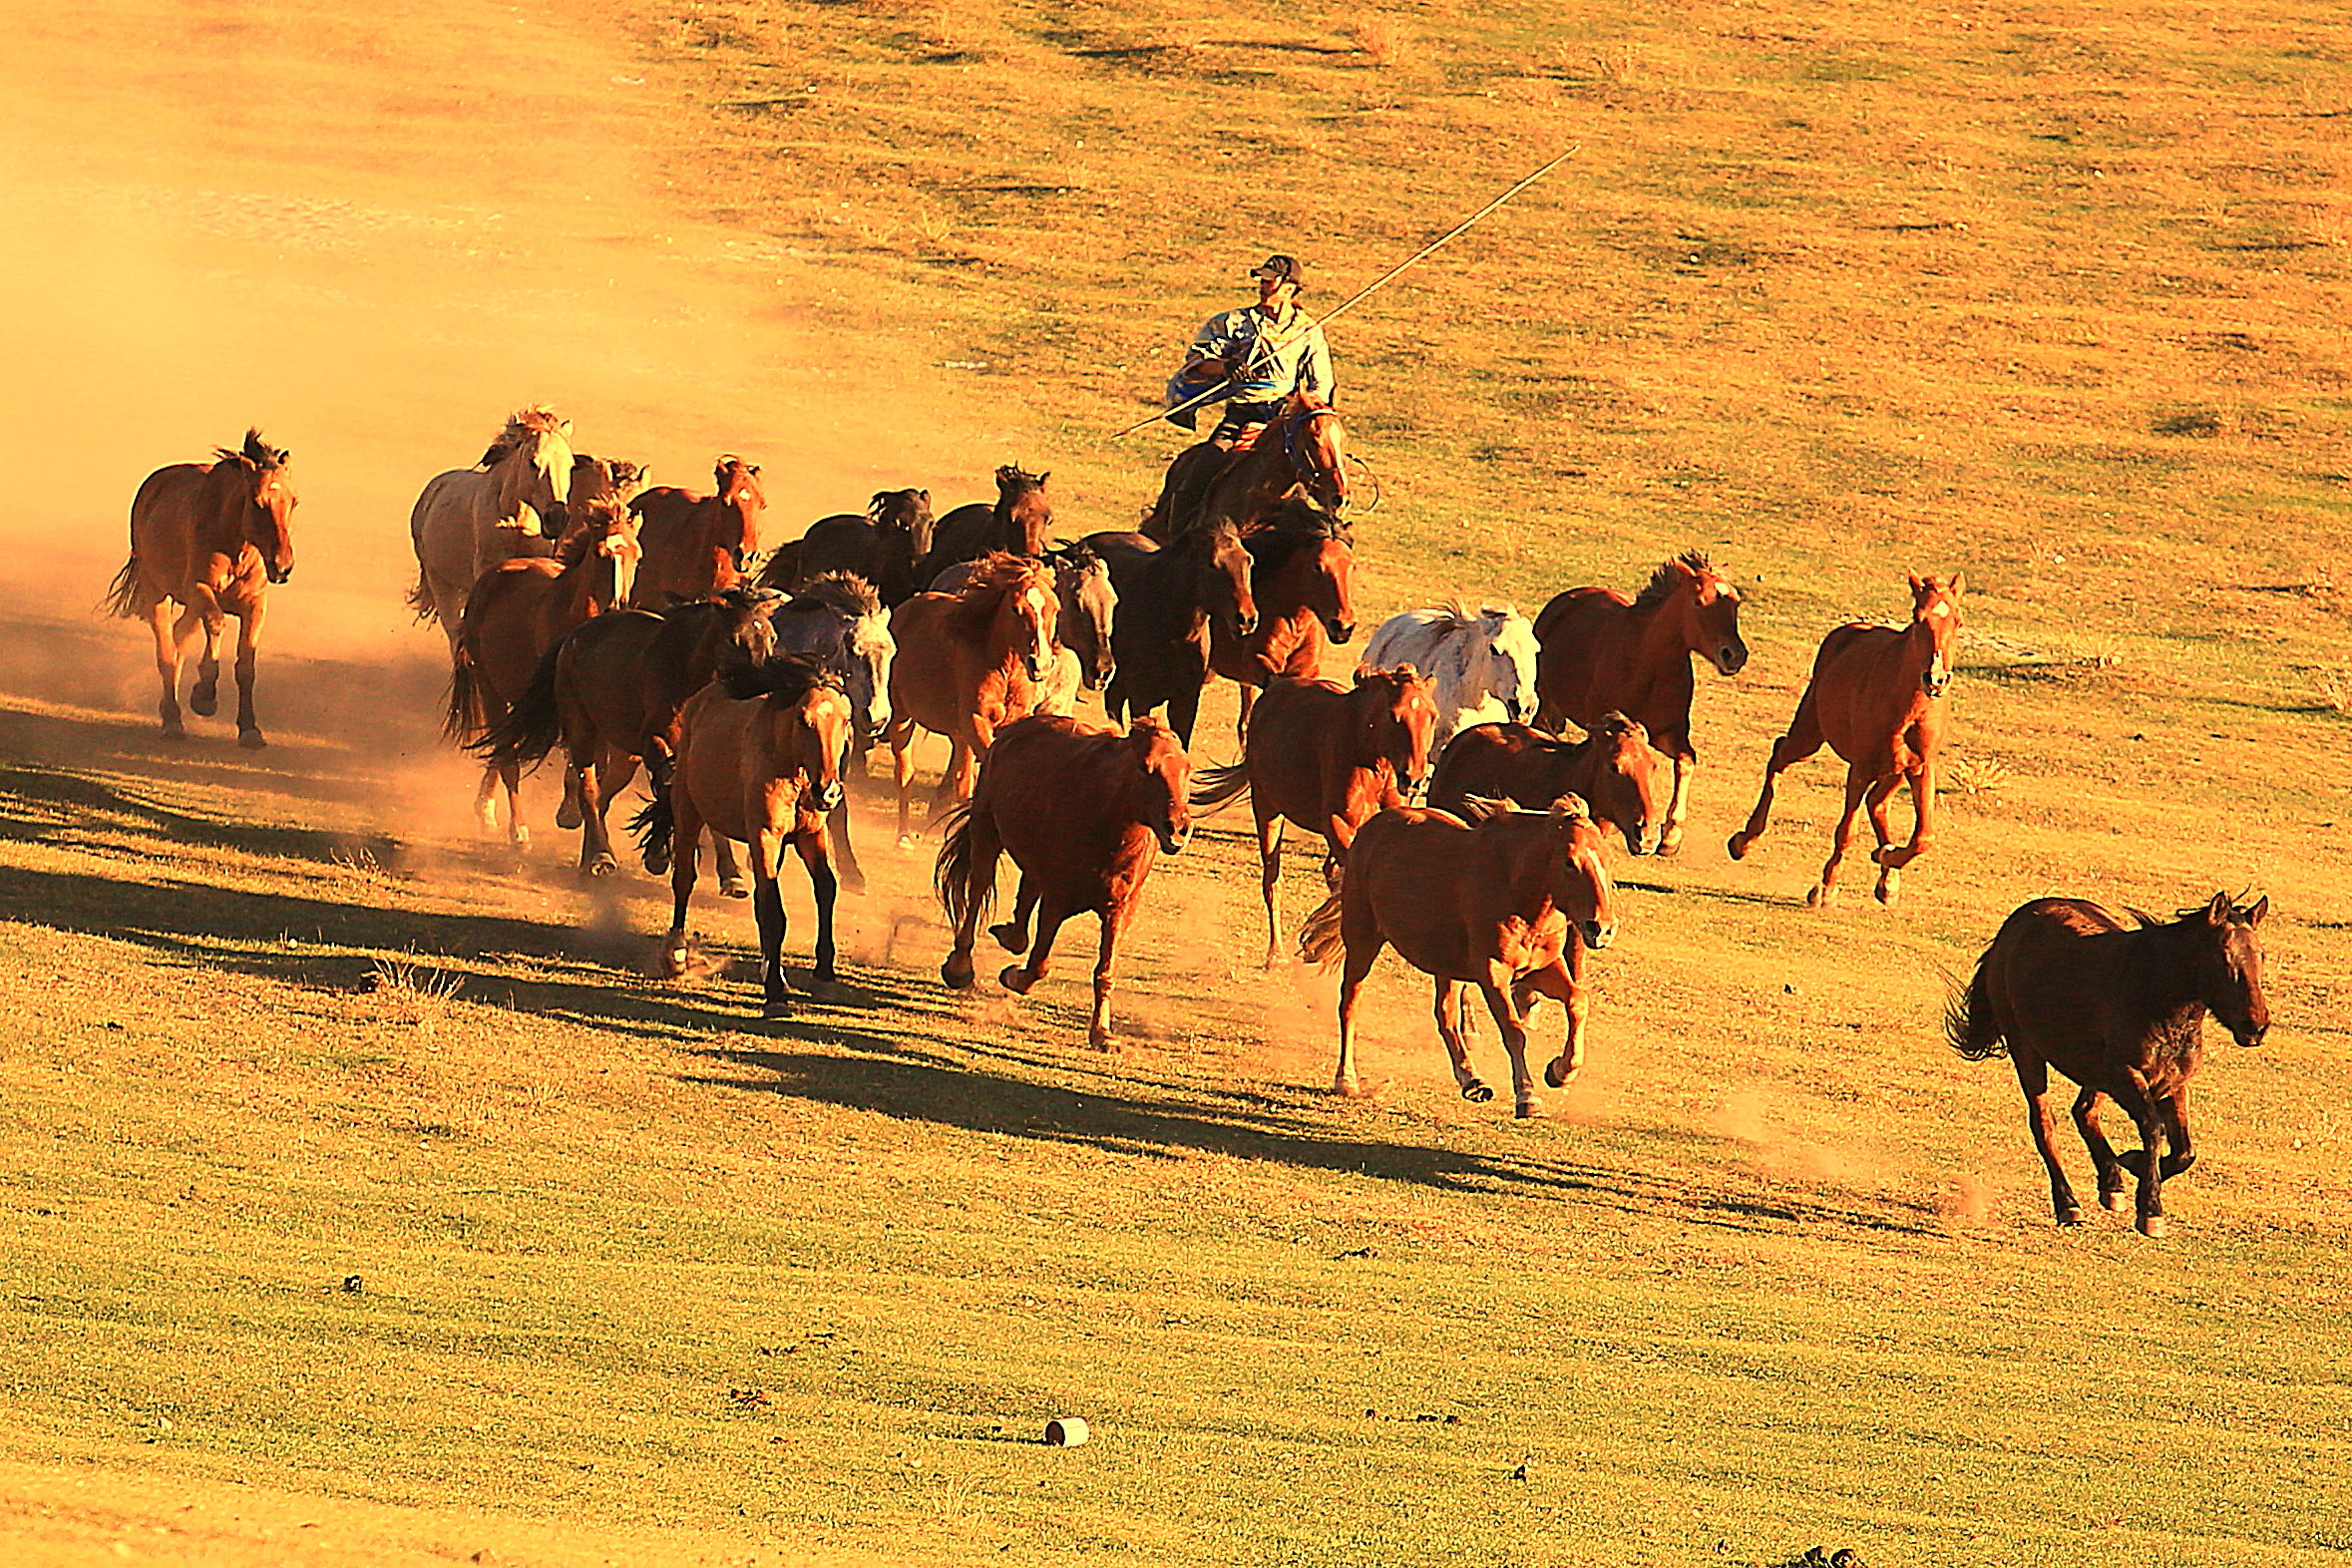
[(1570, 808), (1958, 583), (2217, 911), (1916, 582), (2261, 907), (925, 495)]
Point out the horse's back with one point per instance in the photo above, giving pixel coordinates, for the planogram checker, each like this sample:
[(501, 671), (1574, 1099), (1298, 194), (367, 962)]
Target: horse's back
[(167, 513), (1505, 762), (1579, 634), (1190, 473), (1411, 636), (2050, 974)]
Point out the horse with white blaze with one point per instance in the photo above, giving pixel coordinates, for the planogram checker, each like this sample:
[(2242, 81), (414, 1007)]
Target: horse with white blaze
[(1483, 664)]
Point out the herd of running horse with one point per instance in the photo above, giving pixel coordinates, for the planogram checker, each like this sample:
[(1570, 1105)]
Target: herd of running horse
[(635, 626)]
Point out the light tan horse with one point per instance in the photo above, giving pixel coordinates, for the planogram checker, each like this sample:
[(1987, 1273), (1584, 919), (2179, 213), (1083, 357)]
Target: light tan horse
[(210, 538), (471, 519), (968, 664)]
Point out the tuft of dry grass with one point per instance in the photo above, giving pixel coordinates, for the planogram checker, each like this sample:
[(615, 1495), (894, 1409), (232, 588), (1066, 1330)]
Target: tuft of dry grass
[(1385, 39)]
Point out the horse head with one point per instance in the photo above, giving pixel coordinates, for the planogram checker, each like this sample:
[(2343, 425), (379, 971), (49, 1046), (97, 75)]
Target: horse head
[(1935, 619), (269, 503), (1581, 887), (531, 460), (1317, 445), (904, 513), (1225, 567), (1087, 604), (871, 649), (608, 533), (1709, 607), (743, 499), (1506, 640), (1164, 783), (2229, 965), (1022, 510), (1621, 782), (1311, 556), (1396, 717)]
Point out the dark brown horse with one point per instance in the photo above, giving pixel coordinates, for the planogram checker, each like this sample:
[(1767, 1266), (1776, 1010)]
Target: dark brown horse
[(513, 616), (2120, 1012), (1017, 524), (696, 545), (1877, 698), (610, 693), (1612, 770), (968, 664), (1506, 900), (1083, 812), (1302, 576), (1605, 653), (210, 538), (1168, 600), (1326, 756), (759, 761), (1304, 448), (884, 547)]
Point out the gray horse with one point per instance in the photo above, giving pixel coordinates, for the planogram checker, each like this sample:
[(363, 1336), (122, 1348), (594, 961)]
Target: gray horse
[(469, 520)]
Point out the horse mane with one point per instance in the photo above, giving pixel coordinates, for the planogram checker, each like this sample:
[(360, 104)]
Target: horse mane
[(1611, 725), (1665, 579), (993, 576), (1294, 522), (843, 592), (598, 518), (255, 453), (786, 677), (1013, 478), (536, 420)]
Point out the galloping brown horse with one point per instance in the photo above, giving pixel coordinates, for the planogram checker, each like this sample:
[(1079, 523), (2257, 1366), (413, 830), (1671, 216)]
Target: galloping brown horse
[(695, 544), (210, 538), (1168, 600), (610, 691), (1877, 698), (968, 663), (2120, 1012), (1084, 620), (1302, 576), (1603, 653), (1611, 770), (884, 547), (1326, 756), (1304, 447), (1084, 812), (759, 761), (1017, 524), (513, 614), (1506, 900)]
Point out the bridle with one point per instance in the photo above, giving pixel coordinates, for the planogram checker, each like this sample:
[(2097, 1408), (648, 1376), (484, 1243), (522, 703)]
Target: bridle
[(1297, 425)]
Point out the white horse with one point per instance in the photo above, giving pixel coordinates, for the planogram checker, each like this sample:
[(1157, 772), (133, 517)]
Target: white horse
[(471, 519), (1484, 664)]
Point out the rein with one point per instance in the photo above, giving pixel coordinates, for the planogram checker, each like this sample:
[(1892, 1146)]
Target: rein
[(1302, 460)]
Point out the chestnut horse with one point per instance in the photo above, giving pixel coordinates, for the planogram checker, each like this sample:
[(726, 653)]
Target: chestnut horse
[(1168, 600), (2120, 1012), (968, 663), (838, 619), (1326, 756), (210, 538), (469, 520), (1506, 900), (1613, 770), (610, 691), (513, 616), (1605, 653), (1087, 613), (1017, 524), (759, 761), (1877, 698), (883, 547), (1304, 448), (697, 545), (592, 479), (1084, 812), (1302, 575)]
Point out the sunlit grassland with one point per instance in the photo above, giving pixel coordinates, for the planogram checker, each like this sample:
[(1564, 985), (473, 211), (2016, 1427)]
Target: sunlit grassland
[(2051, 296)]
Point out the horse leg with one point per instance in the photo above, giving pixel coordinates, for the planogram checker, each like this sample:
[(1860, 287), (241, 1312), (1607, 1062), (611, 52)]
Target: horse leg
[(1099, 1030), (1270, 878), (1448, 1007), (1014, 935), (1803, 740), (168, 647), (510, 777), (816, 853), (2033, 1080), (1890, 880), (568, 810), (1857, 784), (2130, 1091), (1362, 947), (1497, 987), (767, 907), (248, 648), (1565, 980), (902, 767), (1922, 818), (1669, 838), (2180, 1155), (1184, 712), (1241, 719), (686, 845), (731, 875), (981, 846), (837, 831), (606, 776), (2102, 1154), (1019, 977), (485, 800), (204, 699)]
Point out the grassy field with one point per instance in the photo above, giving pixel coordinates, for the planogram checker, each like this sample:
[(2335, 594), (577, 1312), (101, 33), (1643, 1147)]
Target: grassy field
[(366, 1201)]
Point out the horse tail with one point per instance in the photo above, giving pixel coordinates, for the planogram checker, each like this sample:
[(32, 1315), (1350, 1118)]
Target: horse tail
[(1217, 788), (466, 717), (1968, 1016), (953, 874), (533, 726), (656, 824), (122, 594), (420, 597), (1319, 939)]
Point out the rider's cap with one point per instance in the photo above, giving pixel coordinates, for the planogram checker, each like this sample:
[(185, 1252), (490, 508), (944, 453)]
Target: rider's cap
[(1289, 268)]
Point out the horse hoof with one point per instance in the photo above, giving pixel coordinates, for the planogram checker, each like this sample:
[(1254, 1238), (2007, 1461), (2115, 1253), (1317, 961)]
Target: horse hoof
[(204, 702), (734, 890), (1012, 937), (1017, 980), (2069, 1218), (1817, 897), (2114, 1202), (1106, 1043), (2152, 1225), (520, 838), (1672, 844), (568, 816), (775, 1010), (673, 962), (957, 975), (1476, 1093), (1527, 1110), (1888, 892), (602, 866), (1560, 1072), (1347, 1088), (250, 740), (1735, 846), (174, 730), (854, 882)]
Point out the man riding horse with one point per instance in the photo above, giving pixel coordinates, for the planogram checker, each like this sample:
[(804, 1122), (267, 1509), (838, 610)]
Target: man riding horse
[(1267, 363)]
